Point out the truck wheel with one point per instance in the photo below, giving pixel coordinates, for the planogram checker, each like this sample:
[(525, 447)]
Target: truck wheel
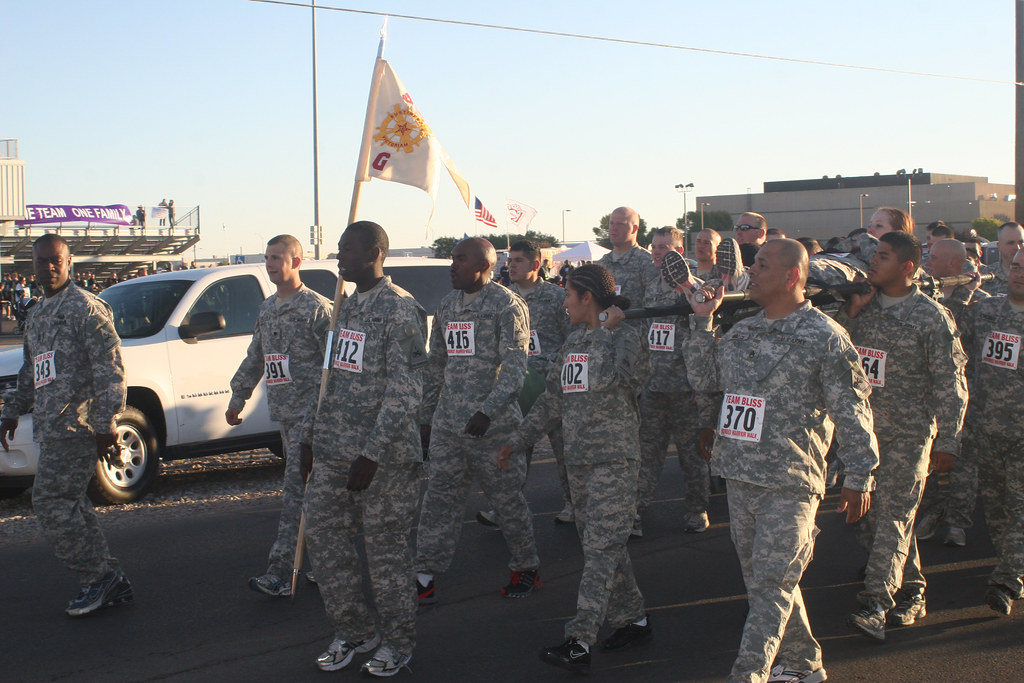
[(126, 479)]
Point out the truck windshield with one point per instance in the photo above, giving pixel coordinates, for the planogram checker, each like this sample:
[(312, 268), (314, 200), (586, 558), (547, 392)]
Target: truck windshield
[(141, 308)]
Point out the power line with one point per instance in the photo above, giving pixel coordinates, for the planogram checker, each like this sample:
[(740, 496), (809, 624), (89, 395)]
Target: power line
[(624, 41)]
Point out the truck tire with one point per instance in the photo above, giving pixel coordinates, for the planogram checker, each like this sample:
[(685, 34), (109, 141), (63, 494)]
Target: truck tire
[(125, 480)]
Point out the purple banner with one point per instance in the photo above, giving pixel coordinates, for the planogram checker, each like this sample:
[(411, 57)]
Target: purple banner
[(117, 214)]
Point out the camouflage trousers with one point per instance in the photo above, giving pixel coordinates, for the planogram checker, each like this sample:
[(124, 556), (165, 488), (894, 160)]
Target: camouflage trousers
[(455, 461), (383, 514), (282, 553), (953, 496), (773, 532), (64, 511), (602, 496), (665, 415), (887, 531), (1002, 490)]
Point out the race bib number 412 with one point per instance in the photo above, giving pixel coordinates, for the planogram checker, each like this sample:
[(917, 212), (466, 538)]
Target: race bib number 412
[(350, 350), (460, 338), (873, 362), (277, 369), (741, 417), (44, 368), (576, 373), (1001, 350)]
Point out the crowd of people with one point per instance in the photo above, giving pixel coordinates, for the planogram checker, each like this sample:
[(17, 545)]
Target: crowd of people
[(780, 404)]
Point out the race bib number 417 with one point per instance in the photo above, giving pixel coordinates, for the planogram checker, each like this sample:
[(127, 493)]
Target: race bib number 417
[(460, 338), (1001, 350), (662, 337), (741, 417)]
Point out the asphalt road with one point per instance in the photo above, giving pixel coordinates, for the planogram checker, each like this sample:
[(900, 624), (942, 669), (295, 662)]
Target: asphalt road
[(195, 619)]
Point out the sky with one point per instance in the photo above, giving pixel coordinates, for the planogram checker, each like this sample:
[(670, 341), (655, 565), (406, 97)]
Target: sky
[(209, 102)]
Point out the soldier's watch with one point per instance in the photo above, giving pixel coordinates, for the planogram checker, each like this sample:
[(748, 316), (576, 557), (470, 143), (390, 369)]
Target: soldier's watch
[(602, 316)]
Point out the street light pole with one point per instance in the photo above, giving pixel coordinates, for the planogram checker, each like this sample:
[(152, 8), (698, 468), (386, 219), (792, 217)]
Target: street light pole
[(563, 225), (702, 205), (318, 237), (861, 224), (684, 188)]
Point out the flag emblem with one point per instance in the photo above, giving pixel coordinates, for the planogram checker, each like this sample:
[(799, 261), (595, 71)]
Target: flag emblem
[(483, 215), (402, 129)]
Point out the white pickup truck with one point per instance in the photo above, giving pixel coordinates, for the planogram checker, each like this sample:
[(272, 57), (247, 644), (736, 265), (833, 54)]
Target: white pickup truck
[(183, 335)]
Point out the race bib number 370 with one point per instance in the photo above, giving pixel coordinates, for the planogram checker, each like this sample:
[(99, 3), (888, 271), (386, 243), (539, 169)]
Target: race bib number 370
[(873, 362), (45, 371), (741, 417), (1001, 350), (460, 338), (576, 373), (277, 369)]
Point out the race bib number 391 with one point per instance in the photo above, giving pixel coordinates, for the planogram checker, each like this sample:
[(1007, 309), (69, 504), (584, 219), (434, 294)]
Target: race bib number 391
[(460, 338), (576, 373), (741, 417), (45, 371), (277, 369), (1001, 350), (350, 350), (662, 337), (873, 362)]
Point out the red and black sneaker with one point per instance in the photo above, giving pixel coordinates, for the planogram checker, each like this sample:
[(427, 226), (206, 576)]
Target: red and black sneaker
[(427, 596), (522, 583)]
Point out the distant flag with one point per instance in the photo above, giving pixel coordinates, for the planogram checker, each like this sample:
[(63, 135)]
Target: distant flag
[(520, 214), (482, 214)]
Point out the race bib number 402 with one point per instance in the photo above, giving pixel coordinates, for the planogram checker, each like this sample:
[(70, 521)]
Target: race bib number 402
[(350, 350), (662, 337), (576, 373), (873, 362), (45, 369), (460, 338), (277, 369), (1001, 350), (741, 417)]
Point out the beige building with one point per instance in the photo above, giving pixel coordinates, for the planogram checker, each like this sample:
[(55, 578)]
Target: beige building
[(829, 206)]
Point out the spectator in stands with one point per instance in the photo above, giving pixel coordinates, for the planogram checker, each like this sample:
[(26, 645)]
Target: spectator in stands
[(140, 217), (170, 212)]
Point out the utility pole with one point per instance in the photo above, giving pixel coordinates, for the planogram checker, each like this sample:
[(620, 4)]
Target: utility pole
[(1018, 165)]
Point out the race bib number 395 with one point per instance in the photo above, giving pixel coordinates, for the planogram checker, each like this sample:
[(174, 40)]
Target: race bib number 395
[(873, 362), (576, 373), (741, 417), (45, 370), (460, 338), (1001, 350), (277, 369), (350, 350), (662, 337)]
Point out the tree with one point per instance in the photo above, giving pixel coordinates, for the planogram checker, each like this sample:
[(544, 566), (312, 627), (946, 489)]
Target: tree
[(642, 237), (443, 246), (988, 228), (720, 221)]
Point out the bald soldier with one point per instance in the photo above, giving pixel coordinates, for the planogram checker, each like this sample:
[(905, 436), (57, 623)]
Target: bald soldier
[(475, 371), (791, 378), (628, 262), (704, 247)]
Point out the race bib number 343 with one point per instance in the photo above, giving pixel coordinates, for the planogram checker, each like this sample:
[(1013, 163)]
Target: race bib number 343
[(873, 362), (1001, 350), (576, 373), (741, 417), (45, 370), (277, 368), (460, 338)]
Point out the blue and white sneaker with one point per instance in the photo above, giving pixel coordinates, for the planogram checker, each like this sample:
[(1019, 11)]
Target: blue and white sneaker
[(113, 589), (386, 662), (340, 652), (270, 584)]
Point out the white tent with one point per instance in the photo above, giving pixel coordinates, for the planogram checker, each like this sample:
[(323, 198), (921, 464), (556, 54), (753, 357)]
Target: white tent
[(588, 251)]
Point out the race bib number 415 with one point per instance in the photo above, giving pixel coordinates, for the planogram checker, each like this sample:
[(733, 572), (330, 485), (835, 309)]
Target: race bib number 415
[(460, 338), (1001, 350), (277, 369), (45, 371), (576, 373), (873, 362), (741, 417)]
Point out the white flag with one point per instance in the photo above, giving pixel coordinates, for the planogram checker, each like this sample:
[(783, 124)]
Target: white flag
[(520, 214), (401, 146)]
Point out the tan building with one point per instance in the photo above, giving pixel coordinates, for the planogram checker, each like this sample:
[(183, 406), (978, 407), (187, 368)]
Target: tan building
[(829, 206)]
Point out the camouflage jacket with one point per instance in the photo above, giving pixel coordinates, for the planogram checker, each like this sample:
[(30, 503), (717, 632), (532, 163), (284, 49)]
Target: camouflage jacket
[(549, 324), (634, 272), (372, 397), (992, 333), (998, 284), (789, 384), (913, 359), (287, 350), (72, 378), (477, 360), (960, 299), (592, 390)]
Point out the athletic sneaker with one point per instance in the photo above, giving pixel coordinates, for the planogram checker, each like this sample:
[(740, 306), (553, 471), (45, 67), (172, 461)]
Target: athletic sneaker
[(522, 583), (569, 655), (781, 674), (113, 589), (956, 537), (427, 596), (868, 621), (270, 584), (340, 652), (638, 527), (487, 518), (628, 635), (386, 662), (928, 525), (696, 523), (675, 270), (908, 610), (999, 599), (567, 515)]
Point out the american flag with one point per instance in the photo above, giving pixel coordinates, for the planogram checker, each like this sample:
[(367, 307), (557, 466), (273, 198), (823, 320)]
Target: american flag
[(482, 214)]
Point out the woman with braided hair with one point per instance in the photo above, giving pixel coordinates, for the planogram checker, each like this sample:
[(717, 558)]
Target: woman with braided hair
[(593, 391)]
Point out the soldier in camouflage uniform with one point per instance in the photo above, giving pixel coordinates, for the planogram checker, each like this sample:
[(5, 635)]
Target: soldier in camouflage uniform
[(668, 405), (592, 390), (477, 362), (911, 353), (992, 333), (629, 263), (704, 246), (1011, 240), (949, 499), (287, 350), (367, 461), (73, 383), (791, 378)]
